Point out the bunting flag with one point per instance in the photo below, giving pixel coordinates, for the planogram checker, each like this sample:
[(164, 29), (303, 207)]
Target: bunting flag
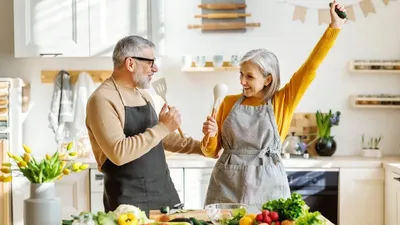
[(324, 16), (299, 13), (366, 7), (350, 13)]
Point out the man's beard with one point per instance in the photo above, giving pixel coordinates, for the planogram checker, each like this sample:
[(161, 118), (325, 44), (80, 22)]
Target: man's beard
[(141, 81)]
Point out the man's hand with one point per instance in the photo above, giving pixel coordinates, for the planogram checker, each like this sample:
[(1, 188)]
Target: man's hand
[(171, 119)]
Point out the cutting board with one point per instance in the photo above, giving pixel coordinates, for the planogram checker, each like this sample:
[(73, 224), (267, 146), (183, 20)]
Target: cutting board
[(198, 214)]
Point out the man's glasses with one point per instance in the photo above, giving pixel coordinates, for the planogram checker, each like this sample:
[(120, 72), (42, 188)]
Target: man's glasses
[(143, 59)]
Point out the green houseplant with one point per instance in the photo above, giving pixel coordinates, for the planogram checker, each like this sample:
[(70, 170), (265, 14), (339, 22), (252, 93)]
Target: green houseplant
[(43, 206), (371, 147), (326, 144)]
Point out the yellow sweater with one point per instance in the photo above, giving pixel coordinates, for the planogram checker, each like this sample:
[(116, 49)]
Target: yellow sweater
[(284, 101)]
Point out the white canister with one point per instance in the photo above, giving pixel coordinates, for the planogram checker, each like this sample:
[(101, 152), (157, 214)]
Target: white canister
[(187, 61), (235, 60), (218, 61), (200, 61)]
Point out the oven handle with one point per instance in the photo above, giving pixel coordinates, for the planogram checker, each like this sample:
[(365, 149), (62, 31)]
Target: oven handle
[(292, 169)]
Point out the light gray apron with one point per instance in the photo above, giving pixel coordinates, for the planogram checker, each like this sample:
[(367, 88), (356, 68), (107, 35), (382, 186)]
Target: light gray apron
[(250, 170)]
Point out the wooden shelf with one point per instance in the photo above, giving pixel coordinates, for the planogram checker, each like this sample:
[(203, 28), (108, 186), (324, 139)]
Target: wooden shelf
[(209, 67), (375, 66), (48, 76), (376, 101)]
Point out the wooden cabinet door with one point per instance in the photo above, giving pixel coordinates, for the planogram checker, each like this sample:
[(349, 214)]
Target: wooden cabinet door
[(5, 212)]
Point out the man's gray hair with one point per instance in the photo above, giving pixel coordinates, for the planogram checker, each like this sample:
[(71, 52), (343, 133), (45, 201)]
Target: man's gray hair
[(129, 46), (268, 64)]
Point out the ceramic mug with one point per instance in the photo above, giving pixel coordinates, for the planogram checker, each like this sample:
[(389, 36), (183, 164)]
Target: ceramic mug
[(235, 60), (200, 61), (218, 61), (187, 61)]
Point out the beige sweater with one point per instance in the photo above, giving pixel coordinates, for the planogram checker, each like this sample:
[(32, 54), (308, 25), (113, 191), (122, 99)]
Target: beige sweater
[(105, 118)]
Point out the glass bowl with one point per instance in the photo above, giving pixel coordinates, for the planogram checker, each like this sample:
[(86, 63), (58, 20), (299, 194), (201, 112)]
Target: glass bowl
[(220, 212)]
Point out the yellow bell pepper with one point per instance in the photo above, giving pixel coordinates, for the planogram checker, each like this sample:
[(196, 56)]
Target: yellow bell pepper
[(127, 219)]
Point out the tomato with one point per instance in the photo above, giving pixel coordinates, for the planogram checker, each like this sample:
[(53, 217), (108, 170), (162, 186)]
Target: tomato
[(265, 213), (267, 219), (259, 217), (274, 216)]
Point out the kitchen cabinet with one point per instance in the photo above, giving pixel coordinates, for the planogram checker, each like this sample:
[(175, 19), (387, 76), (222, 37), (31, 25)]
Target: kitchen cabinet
[(110, 20), (72, 189), (196, 185), (361, 199), (51, 28), (178, 180), (80, 28), (392, 198)]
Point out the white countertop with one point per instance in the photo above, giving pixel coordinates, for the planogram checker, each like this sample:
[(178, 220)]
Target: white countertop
[(195, 161), (393, 166), (312, 162)]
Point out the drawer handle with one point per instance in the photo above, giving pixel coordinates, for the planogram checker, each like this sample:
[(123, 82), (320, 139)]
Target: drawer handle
[(397, 178), (50, 54), (98, 177)]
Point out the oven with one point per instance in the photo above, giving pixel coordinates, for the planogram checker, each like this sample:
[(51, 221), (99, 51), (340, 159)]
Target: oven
[(319, 188), (96, 191)]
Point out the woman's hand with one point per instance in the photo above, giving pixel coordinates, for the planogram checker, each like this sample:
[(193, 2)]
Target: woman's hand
[(210, 127), (336, 21)]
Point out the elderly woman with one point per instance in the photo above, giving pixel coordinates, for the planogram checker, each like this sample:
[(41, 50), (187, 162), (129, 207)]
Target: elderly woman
[(250, 126)]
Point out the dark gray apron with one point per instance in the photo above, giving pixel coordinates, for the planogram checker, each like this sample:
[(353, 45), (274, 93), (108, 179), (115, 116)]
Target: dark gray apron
[(144, 182)]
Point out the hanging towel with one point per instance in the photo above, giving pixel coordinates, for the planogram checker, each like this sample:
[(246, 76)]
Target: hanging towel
[(84, 87), (61, 111)]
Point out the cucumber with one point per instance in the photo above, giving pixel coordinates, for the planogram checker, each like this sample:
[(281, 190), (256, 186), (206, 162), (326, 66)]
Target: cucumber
[(195, 221), (233, 222), (67, 222), (170, 223), (164, 210), (186, 220), (341, 14)]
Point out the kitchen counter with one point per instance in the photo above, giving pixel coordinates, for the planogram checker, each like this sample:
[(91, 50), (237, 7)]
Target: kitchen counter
[(393, 166), (312, 162), (194, 161)]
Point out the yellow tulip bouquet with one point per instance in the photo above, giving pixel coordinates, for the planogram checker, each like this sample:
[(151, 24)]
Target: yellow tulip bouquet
[(48, 169)]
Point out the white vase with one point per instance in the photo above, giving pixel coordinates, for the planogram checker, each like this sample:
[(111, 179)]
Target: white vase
[(377, 153), (43, 206)]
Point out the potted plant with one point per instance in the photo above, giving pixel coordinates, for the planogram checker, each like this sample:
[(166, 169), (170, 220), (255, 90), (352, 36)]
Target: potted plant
[(326, 144), (371, 148), (43, 207)]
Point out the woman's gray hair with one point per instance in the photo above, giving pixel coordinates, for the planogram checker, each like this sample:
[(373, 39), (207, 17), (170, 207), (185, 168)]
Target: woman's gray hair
[(129, 46), (268, 64)]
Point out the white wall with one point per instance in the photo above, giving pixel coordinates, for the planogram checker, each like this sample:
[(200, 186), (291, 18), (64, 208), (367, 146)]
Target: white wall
[(377, 36)]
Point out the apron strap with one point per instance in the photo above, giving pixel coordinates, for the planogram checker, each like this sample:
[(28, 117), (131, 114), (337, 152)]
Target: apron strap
[(120, 96), (119, 93), (267, 152)]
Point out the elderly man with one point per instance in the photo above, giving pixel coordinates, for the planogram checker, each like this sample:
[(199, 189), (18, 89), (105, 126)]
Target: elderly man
[(127, 138)]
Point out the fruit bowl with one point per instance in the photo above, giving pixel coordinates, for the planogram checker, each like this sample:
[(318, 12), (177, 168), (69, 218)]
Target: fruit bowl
[(220, 212)]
